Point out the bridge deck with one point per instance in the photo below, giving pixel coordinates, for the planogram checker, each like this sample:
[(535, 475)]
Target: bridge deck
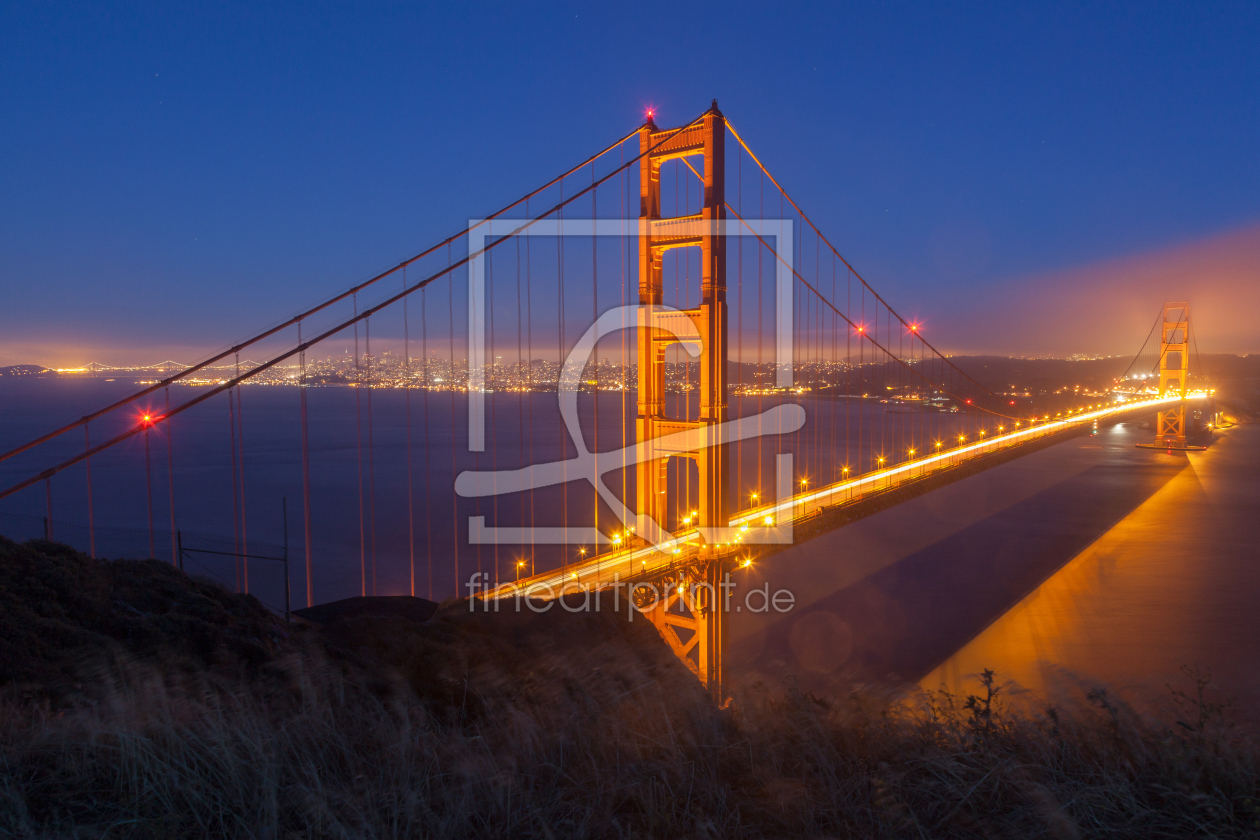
[(757, 526)]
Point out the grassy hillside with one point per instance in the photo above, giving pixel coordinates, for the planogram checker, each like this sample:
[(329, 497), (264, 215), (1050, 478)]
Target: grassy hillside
[(140, 703)]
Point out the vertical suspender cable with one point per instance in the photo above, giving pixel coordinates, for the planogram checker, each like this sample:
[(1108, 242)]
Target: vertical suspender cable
[(236, 522), (564, 455), (407, 383), (87, 445), (761, 195), (358, 430), (529, 344), (739, 330), (428, 497), (861, 442), (240, 443), (450, 287), (306, 476), (170, 477), (490, 406), (831, 372), (818, 369), (367, 327), (625, 365), (595, 349), (520, 397), (148, 485), (791, 245)]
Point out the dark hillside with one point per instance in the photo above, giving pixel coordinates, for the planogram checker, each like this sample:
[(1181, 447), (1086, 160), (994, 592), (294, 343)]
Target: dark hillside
[(138, 703), (63, 614)]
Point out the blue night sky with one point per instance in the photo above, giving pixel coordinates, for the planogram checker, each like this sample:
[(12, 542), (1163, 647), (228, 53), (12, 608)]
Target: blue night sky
[(175, 176)]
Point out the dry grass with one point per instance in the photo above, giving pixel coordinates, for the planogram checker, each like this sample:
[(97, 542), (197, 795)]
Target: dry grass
[(329, 758), (584, 726)]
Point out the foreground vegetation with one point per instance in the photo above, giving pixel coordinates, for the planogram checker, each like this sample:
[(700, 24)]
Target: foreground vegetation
[(165, 707)]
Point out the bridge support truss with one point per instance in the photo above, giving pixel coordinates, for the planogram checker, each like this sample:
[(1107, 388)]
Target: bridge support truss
[(705, 645)]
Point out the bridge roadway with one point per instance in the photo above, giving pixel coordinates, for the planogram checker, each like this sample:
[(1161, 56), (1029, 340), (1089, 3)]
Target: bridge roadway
[(644, 562)]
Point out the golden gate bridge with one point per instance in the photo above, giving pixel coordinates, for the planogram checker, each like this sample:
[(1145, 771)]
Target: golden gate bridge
[(755, 390)]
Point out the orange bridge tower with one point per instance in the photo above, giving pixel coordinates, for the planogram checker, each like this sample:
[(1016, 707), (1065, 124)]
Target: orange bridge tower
[(1174, 367), (697, 634)]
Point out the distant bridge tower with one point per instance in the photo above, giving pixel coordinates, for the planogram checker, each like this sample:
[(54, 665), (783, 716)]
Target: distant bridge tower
[(700, 638), (1174, 367)]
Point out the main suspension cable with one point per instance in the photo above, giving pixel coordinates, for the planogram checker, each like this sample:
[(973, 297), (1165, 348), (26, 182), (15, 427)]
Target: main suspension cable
[(840, 256), (861, 331), (236, 349)]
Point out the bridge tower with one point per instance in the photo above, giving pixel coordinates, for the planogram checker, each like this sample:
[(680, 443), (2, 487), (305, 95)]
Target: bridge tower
[(1174, 368), (704, 629)]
